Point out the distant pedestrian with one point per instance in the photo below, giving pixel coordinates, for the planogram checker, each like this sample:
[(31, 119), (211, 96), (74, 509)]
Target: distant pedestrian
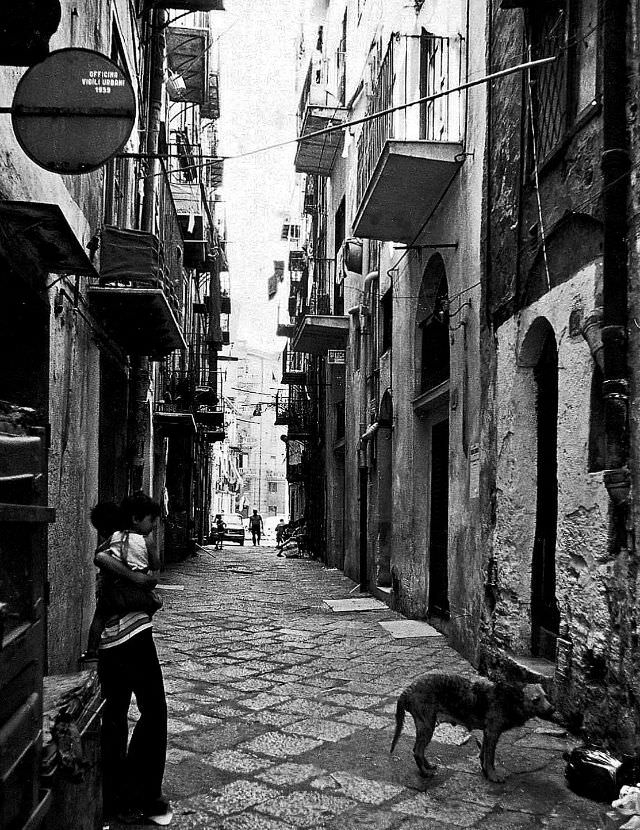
[(217, 533), (256, 527), (280, 529)]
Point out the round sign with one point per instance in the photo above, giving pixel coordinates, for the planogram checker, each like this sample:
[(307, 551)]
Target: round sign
[(73, 111)]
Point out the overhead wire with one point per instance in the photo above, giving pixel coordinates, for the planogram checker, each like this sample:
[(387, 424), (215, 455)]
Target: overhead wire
[(482, 77), (372, 116)]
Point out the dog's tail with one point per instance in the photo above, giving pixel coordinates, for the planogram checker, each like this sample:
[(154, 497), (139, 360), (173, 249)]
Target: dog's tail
[(400, 710)]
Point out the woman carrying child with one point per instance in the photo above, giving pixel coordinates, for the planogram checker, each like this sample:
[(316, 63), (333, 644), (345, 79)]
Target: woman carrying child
[(128, 664)]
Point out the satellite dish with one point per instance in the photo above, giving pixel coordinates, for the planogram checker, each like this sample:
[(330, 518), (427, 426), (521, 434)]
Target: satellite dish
[(73, 111)]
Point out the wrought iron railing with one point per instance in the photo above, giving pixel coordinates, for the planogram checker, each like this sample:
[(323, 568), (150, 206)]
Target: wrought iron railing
[(320, 301), (413, 66), (294, 412), (294, 363)]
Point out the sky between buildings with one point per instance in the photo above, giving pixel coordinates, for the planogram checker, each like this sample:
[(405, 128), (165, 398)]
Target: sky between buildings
[(258, 107)]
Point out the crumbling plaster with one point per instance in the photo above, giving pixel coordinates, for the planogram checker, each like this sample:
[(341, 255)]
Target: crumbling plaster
[(581, 546)]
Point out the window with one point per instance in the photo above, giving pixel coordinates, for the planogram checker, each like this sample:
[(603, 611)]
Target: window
[(386, 307), (118, 190), (273, 486), (434, 71), (565, 89)]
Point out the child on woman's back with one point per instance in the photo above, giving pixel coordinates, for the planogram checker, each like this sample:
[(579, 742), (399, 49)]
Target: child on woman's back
[(122, 532)]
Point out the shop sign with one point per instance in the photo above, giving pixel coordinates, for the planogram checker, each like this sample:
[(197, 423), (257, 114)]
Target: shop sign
[(336, 357)]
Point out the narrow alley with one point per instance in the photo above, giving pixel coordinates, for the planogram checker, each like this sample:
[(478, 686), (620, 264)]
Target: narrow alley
[(281, 712)]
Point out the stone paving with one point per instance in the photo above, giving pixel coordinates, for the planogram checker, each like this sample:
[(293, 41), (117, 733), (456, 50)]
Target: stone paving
[(281, 713)]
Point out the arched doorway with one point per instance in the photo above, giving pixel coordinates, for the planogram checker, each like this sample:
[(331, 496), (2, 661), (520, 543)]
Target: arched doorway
[(545, 616), (432, 376)]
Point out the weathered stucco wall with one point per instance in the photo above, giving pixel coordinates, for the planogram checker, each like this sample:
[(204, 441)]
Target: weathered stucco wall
[(73, 485), (586, 573), (74, 372)]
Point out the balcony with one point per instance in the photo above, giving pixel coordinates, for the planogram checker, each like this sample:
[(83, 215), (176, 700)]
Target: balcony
[(171, 418), (317, 111), (295, 413), (138, 293), (407, 159), (294, 368), (187, 59), (320, 327)]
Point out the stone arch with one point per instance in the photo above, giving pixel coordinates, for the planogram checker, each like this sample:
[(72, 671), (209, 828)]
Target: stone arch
[(535, 452)]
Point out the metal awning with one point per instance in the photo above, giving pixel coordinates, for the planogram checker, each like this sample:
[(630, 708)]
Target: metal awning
[(212, 419), (39, 232), (316, 334), (406, 186), (141, 320), (174, 421), (187, 56), (318, 155)]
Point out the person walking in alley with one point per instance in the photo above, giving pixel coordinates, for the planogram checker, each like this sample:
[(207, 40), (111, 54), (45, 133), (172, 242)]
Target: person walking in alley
[(256, 526), (128, 664)]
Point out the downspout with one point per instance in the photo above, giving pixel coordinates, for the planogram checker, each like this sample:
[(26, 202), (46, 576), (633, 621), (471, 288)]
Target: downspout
[(366, 432), (615, 193), (140, 376)]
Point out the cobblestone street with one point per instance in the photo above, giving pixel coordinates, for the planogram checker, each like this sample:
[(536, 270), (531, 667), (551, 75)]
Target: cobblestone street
[(281, 713)]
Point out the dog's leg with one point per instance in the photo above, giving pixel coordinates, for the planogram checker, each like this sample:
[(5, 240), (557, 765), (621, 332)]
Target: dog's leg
[(488, 754), (424, 733)]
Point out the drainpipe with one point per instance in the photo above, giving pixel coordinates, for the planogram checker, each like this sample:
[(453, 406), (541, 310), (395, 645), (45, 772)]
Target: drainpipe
[(366, 433), (140, 374), (615, 191)]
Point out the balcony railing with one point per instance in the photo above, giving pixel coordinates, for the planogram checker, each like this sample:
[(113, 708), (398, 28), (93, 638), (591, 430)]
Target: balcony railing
[(316, 111), (294, 412), (185, 396), (397, 83), (294, 367), (320, 301), (403, 145)]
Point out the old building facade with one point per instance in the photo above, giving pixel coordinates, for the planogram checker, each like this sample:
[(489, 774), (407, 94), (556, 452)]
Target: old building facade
[(111, 324), (462, 344)]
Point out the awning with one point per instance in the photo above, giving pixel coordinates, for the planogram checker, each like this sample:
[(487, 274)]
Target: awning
[(174, 422), (140, 320), (39, 232), (187, 56), (318, 155), (318, 333)]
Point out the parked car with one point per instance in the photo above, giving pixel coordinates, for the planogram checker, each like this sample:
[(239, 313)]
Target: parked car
[(234, 530)]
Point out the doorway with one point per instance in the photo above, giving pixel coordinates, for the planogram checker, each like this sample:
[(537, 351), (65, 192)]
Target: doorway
[(439, 521), (545, 615)]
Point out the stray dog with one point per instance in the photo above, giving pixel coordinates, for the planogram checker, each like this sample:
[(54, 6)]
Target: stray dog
[(476, 704)]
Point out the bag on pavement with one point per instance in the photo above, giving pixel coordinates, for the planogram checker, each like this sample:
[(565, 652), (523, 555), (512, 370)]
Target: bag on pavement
[(593, 773)]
